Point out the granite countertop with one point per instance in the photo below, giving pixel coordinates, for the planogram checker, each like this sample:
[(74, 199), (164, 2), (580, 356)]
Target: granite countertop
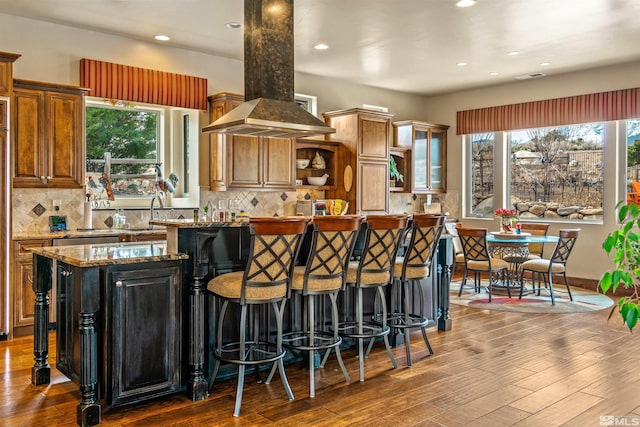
[(87, 233), (109, 254), (188, 223)]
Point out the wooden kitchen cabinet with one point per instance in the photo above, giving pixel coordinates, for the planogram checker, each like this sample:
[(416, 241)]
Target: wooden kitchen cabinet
[(363, 167), (48, 135), (261, 163), (6, 72), (140, 329), (219, 105), (247, 162), (23, 294), (428, 144)]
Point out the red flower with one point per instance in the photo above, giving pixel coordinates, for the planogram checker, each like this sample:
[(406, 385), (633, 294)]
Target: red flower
[(507, 213)]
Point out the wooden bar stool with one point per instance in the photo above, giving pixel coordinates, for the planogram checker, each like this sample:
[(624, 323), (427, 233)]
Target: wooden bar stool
[(374, 269), (409, 270), (323, 274), (274, 245)]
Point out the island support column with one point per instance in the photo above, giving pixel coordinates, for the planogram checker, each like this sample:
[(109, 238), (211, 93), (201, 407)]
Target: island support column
[(198, 386), (41, 371)]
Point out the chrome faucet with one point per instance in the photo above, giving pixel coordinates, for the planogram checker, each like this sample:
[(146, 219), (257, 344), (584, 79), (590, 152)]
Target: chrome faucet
[(151, 210)]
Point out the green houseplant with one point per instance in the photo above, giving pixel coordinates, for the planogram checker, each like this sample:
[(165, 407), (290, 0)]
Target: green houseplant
[(394, 173), (624, 243)]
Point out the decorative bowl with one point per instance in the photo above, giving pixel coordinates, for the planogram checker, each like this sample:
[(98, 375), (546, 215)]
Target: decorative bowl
[(302, 163), (317, 180)]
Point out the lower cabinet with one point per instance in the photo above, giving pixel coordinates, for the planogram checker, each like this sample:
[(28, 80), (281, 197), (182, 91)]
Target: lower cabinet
[(23, 295), (139, 329)]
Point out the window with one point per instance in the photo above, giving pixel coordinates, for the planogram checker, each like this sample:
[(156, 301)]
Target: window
[(125, 142), (551, 173), (482, 174), (633, 161)]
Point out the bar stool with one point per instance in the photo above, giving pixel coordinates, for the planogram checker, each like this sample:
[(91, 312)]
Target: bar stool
[(274, 244), (323, 274), (409, 270), (374, 269)]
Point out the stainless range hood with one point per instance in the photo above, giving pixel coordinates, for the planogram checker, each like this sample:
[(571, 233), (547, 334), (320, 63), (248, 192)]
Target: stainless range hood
[(269, 109)]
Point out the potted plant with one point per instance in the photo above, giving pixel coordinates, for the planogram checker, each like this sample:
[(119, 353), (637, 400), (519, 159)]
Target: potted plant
[(624, 243), (394, 173)]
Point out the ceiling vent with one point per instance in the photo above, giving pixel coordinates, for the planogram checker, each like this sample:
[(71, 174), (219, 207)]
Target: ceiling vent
[(530, 76)]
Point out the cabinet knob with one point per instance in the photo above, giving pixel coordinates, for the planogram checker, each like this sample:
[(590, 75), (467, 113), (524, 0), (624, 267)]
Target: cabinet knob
[(119, 283), (66, 273), (48, 177)]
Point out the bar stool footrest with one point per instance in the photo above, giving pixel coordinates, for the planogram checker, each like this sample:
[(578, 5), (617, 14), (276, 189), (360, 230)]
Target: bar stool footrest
[(370, 330), (255, 353), (299, 340)]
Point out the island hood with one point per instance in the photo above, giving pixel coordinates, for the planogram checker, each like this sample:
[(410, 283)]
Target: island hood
[(269, 109)]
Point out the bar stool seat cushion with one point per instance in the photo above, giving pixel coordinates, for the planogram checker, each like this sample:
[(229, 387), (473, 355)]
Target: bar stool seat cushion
[(460, 258), (316, 284), (366, 278), (542, 266), (532, 257), (496, 264), (417, 272), (229, 285)]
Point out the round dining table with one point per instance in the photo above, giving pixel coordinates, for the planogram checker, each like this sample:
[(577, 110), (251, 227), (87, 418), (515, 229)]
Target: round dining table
[(513, 248)]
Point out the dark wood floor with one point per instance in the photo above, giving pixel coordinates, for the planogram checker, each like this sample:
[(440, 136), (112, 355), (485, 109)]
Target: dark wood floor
[(492, 369)]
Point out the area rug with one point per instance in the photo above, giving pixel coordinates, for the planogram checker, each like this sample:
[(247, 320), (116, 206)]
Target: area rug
[(584, 300)]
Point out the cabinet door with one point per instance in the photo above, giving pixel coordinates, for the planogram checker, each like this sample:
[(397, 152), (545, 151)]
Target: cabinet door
[(144, 332), (420, 156), (243, 166), (63, 139), (28, 133), (278, 163), (437, 161), (3, 115), (373, 137), (23, 294), (6, 77), (220, 105), (373, 187)]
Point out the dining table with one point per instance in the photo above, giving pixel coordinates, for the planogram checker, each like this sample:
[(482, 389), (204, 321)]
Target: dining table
[(513, 248)]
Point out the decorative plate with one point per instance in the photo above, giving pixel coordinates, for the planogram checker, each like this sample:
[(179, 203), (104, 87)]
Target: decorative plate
[(509, 236)]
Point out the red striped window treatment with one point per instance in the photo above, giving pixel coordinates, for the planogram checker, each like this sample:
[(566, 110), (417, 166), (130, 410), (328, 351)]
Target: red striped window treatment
[(122, 82), (595, 107)]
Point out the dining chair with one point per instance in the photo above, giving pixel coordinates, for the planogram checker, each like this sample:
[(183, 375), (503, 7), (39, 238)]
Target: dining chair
[(535, 229), (556, 265), (478, 261)]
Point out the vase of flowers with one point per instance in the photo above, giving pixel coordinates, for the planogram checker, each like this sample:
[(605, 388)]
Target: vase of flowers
[(507, 217)]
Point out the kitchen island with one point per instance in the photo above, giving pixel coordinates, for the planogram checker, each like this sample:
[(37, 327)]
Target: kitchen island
[(119, 321)]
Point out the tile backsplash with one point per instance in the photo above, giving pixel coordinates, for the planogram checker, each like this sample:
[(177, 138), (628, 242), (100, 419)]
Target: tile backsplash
[(31, 208)]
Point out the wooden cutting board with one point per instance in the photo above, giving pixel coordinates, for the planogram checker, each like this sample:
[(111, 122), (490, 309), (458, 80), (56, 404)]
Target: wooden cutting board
[(348, 178)]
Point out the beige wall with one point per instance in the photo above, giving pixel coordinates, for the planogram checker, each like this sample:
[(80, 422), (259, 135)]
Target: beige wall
[(588, 259)]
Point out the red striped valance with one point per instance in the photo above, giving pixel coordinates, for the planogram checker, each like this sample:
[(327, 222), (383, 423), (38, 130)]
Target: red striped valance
[(594, 107), (122, 82)]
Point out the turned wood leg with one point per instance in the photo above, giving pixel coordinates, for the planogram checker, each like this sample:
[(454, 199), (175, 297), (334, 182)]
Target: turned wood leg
[(88, 410), (41, 371), (198, 386)]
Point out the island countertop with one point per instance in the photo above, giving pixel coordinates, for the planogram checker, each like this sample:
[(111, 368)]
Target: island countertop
[(110, 253)]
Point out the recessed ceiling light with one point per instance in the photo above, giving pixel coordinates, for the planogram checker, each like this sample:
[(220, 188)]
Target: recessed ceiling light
[(545, 64), (461, 64), (162, 38), (513, 53), (493, 73), (321, 46), (465, 3), (234, 25)]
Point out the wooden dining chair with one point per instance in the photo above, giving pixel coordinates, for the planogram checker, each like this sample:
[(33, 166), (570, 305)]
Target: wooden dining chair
[(556, 265), (477, 259), (535, 229)]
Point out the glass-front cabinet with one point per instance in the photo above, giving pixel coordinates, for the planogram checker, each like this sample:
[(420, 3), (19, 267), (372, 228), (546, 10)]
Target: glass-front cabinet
[(428, 144)]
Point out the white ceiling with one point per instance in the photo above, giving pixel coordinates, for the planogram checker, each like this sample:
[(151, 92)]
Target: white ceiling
[(406, 45)]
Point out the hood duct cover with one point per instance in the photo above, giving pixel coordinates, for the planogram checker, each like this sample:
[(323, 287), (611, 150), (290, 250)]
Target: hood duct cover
[(269, 110)]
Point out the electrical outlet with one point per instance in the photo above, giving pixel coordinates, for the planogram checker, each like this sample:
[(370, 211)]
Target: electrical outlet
[(56, 205)]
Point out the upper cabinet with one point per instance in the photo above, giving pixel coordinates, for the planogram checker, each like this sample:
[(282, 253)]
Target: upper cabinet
[(363, 166), (6, 72), (219, 105), (428, 144), (309, 149), (47, 135), (247, 162), (260, 163)]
